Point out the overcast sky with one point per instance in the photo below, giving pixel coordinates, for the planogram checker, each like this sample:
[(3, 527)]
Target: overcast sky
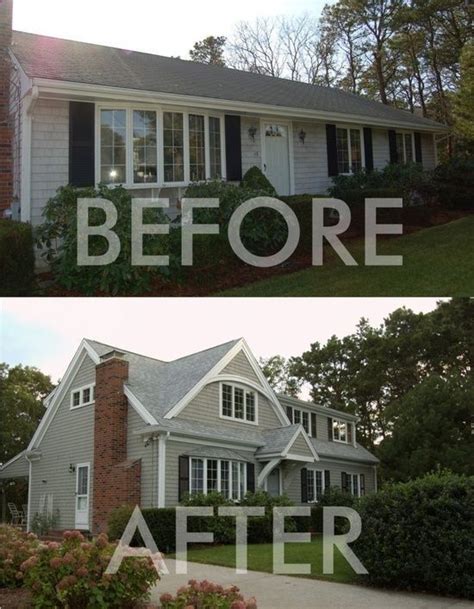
[(165, 28), (46, 332)]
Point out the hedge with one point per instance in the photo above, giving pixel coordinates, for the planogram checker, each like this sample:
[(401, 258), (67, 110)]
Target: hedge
[(17, 258), (419, 535)]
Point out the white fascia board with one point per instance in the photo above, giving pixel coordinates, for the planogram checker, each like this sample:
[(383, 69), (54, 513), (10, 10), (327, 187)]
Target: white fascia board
[(83, 350), (15, 458), (330, 412), (138, 407), (89, 92)]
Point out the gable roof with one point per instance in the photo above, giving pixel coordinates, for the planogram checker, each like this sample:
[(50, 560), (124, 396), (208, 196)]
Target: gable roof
[(92, 64)]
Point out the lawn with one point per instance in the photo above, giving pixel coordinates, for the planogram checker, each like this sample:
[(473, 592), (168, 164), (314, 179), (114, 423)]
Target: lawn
[(438, 261), (260, 558)]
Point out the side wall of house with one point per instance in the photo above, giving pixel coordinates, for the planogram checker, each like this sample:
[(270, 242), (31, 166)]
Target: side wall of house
[(148, 454), (310, 159), (69, 440)]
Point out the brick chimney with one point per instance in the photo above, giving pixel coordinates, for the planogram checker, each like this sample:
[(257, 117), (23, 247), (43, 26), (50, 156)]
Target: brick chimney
[(117, 480), (6, 164)]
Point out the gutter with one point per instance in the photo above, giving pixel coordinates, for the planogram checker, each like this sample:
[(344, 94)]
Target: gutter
[(30, 100)]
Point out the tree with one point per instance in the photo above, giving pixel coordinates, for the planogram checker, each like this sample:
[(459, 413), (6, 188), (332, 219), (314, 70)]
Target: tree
[(277, 371), (22, 391), (464, 105), (210, 50)]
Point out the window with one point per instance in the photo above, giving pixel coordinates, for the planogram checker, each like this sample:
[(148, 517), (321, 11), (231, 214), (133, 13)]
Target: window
[(305, 421), (145, 163), (83, 396), (238, 403), (197, 148), (173, 147), (404, 147), (113, 146), (339, 430), (349, 150), (215, 475), (215, 154), (355, 484), (315, 481), (305, 418)]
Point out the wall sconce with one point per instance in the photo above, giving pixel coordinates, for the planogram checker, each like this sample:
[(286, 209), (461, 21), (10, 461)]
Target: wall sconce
[(252, 133), (302, 136), (72, 469)]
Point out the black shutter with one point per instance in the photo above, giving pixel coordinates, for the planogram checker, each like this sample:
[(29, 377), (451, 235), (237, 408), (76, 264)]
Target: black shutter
[(314, 425), (418, 152), (250, 478), (183, 477), (392, 144), (332, 150), (81, 144), (362, 485), (233, 148), (345, 482), (330, 430), (304, 485), (289, 413), (327, 479), (368, 147)]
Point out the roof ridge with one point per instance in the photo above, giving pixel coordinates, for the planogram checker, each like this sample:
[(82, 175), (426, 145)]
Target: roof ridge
[(89, 340), (235, 340)]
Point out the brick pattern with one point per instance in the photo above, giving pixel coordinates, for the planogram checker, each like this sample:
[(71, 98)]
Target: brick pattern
[(117, 480), (6, 168)]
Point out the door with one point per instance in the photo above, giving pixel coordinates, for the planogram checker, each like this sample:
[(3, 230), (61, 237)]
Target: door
[(273, 483), (82, 496), (277, 156)]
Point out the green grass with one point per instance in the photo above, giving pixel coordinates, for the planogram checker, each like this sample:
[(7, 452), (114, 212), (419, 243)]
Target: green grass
[(260, 558), (438, 261)]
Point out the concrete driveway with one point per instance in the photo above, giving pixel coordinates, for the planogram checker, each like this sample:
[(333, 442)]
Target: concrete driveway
[(283, 592)]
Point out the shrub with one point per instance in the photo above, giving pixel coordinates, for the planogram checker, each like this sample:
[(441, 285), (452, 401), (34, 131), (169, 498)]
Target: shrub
[(260, 529), (42, 524), (58, 234), (15, 547), (206, 595), (454, 183), (419, 535), (222, 527), (17, 258), (160, 521), (72, 575), (254, 179)]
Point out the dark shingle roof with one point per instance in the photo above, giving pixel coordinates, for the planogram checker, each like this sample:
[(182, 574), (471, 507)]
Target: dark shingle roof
[(79, 62)]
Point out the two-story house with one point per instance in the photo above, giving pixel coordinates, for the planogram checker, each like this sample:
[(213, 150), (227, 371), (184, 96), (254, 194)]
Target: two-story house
[(126, 428)]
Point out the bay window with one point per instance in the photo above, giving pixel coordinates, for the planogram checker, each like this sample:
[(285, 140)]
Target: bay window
[(349, 150), (315, 485), (238, 403), (216, 475), (145, 161), (404, 147)]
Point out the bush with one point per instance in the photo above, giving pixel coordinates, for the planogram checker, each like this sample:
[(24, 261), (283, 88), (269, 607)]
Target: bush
[(260, 529), (454, 183), (206, 595), (419, 535), (222, 527), (15, 547), (17, 258), (72, 575), (254, 179), (160, 521)]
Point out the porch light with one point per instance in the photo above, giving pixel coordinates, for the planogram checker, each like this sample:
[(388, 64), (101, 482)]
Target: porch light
[(72, 469), (302, 136), (252, 133)]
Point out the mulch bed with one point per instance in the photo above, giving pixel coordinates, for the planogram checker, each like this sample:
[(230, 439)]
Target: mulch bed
[(228, 274), (15, 599)]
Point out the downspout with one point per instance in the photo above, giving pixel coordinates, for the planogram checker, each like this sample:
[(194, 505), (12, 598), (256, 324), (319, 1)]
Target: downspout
[(162, 439), (26, 144), (30, 482)]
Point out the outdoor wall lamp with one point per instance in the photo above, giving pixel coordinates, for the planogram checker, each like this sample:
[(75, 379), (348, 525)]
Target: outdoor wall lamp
[(302, 136), (72, 469), (252, 133)]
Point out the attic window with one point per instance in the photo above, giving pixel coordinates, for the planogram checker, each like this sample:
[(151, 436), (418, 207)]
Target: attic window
[(84, 396), (238, 403)]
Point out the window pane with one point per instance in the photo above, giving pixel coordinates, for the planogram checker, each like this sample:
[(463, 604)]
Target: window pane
[(197, 476), (296, 417), (356, 150), (86, 396), (400, 148), (113, 146), (319, 485), (215, 148), (408, 148), (235, 480), (305, 416), (335, 429), (250, 406), (355, 485), (197, 163), (211, 476), (239, 402), (82, 480), (76, 398), (310, 478), (173, 136), (342, 144), (242, 480), (343, 432), (227, 400), (144, 147), (225, 478)]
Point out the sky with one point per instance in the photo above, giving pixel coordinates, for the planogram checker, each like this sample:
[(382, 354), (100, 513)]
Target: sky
[(46, 332), (164, 28)]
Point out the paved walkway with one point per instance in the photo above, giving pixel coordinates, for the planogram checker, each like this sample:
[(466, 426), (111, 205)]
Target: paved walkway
[(283, 592)]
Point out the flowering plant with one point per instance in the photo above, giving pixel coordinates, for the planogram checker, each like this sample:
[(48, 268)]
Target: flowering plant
[(72, 575), (206, 595), (15, 547)]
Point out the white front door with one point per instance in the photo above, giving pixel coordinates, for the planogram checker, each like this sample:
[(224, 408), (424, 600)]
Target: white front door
[(82, 496), (277, 156)]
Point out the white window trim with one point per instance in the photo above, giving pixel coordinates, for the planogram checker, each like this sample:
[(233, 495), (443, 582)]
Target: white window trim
[(348, 128), (412, 136), (219, 481), (323, 482), (160, 110), (310, 412), (81, 391), (246, 390)]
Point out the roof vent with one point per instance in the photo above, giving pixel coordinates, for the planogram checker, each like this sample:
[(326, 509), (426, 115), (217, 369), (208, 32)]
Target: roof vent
[(114, 354)]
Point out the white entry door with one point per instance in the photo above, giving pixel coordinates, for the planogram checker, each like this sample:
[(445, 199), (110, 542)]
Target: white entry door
[(82, 496), (277, 156)]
